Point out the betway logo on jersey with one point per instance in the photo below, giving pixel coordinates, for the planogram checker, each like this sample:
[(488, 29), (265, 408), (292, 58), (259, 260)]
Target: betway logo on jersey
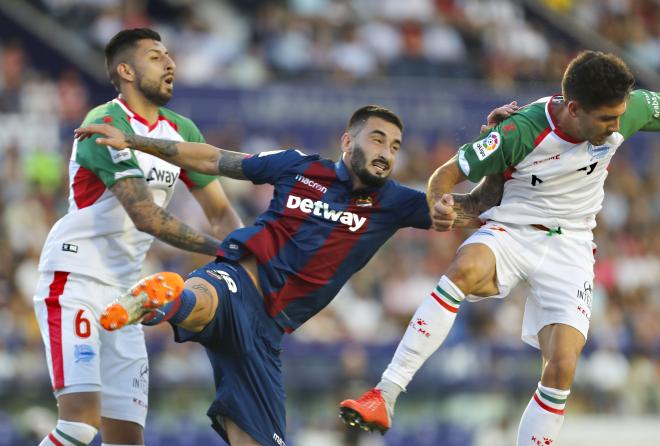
[(163, 176), (321, 209)]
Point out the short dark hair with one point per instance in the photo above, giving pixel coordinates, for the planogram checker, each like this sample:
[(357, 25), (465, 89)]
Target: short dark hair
[(115, 50), (362, 114), (596, 79)]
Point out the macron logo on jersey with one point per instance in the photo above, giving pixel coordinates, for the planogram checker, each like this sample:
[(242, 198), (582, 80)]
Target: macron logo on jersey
[(311, 183), (321, 209)]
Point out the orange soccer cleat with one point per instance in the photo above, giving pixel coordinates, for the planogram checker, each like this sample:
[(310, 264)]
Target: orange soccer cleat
[(369, 412), (148, 294)]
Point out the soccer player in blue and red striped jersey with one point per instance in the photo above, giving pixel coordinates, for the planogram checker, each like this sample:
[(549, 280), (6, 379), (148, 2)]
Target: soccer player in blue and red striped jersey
[(325, 221)]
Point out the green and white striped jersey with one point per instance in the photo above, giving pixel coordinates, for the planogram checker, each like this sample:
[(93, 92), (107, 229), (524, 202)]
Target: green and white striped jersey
[(96, 237), (552, 179)]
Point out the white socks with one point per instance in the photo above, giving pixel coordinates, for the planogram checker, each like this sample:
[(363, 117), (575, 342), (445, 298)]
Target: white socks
[(543, 417), (69, 433), (426, 332)]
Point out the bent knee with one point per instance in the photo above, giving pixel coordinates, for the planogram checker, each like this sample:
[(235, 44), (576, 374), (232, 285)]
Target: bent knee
[(559, 371), (83, 407), (205, 306), (473, 270)]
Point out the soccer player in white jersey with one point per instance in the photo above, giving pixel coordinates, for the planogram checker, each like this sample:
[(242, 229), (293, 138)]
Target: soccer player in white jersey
[(553, 155), (95, 252)]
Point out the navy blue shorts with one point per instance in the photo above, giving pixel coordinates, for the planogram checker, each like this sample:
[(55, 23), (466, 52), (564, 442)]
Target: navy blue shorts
[(243, 344)]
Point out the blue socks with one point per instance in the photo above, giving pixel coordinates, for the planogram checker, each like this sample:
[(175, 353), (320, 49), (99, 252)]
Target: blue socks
[(175, 312)]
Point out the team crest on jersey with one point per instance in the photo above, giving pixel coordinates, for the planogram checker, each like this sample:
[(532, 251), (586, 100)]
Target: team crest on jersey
[(83, 353), (485, 147), (598, 152), (364, 202)]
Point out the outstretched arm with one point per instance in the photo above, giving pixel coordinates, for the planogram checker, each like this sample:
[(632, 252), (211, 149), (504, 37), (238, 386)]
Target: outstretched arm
[(200, 157), (217, 208), (135, 197)]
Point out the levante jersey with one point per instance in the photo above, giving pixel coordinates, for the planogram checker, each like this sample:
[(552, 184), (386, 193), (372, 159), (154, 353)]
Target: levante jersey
[(317, 231), (96, 237), (552, 179)]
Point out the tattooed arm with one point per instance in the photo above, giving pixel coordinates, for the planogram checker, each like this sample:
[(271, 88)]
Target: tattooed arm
[(135, 197), (485, 195), (459, 210), (203, 158)]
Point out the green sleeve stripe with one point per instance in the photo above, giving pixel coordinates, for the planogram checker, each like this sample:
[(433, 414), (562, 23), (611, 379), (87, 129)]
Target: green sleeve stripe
[(642, 113)]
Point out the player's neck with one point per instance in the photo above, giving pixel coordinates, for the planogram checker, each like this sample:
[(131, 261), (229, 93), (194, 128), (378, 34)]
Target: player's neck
[(565, 122), (355, 180), (140, 105)]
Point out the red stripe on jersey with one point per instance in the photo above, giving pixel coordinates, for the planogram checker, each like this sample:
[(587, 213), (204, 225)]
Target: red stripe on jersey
[(556, 128), (322, 266), (546, 407), (267, 243), (139, 118), (55, 327), (541, 136), (183, 176), (55, 441), (87, 188), (508, 174), (172, 124)]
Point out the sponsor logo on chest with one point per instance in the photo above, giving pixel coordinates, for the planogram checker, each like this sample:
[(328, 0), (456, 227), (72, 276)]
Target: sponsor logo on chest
[(162, 176), (311, 183), (598, 152), (321, 209)]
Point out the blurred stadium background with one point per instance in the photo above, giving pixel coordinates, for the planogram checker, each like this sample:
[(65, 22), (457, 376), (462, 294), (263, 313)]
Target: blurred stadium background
[(257, 75)]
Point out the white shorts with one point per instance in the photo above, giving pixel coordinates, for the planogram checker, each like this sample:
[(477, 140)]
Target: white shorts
[(81, 355), (559, 269)]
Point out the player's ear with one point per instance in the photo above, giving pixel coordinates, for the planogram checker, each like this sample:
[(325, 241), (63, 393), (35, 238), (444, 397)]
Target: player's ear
[(573, 107), (125, 72), (346, 140)]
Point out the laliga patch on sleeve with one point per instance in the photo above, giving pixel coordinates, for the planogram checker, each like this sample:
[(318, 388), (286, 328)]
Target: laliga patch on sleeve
[(485, 147), (119, 155)]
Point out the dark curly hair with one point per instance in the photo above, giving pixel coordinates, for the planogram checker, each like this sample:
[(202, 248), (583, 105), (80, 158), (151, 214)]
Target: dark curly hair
[(115, 50), (362, 114), (596, 79)]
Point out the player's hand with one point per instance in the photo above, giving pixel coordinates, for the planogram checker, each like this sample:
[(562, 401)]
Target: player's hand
[(442, 214), (112, 136), (499, 114)]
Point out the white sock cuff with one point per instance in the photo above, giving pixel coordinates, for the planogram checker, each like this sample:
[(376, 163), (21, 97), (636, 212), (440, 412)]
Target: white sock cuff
[(446, 284), (555, 393), (81, 432), (447, 295)]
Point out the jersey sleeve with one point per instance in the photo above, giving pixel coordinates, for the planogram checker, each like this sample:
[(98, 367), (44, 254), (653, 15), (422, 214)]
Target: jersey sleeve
[(107, 164), (413, 209), (503, 146), (193, 180), (268, 167), (642, 113)]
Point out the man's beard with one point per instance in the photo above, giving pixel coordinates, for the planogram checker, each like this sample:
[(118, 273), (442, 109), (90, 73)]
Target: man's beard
[(151, 91), (359, 167)]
